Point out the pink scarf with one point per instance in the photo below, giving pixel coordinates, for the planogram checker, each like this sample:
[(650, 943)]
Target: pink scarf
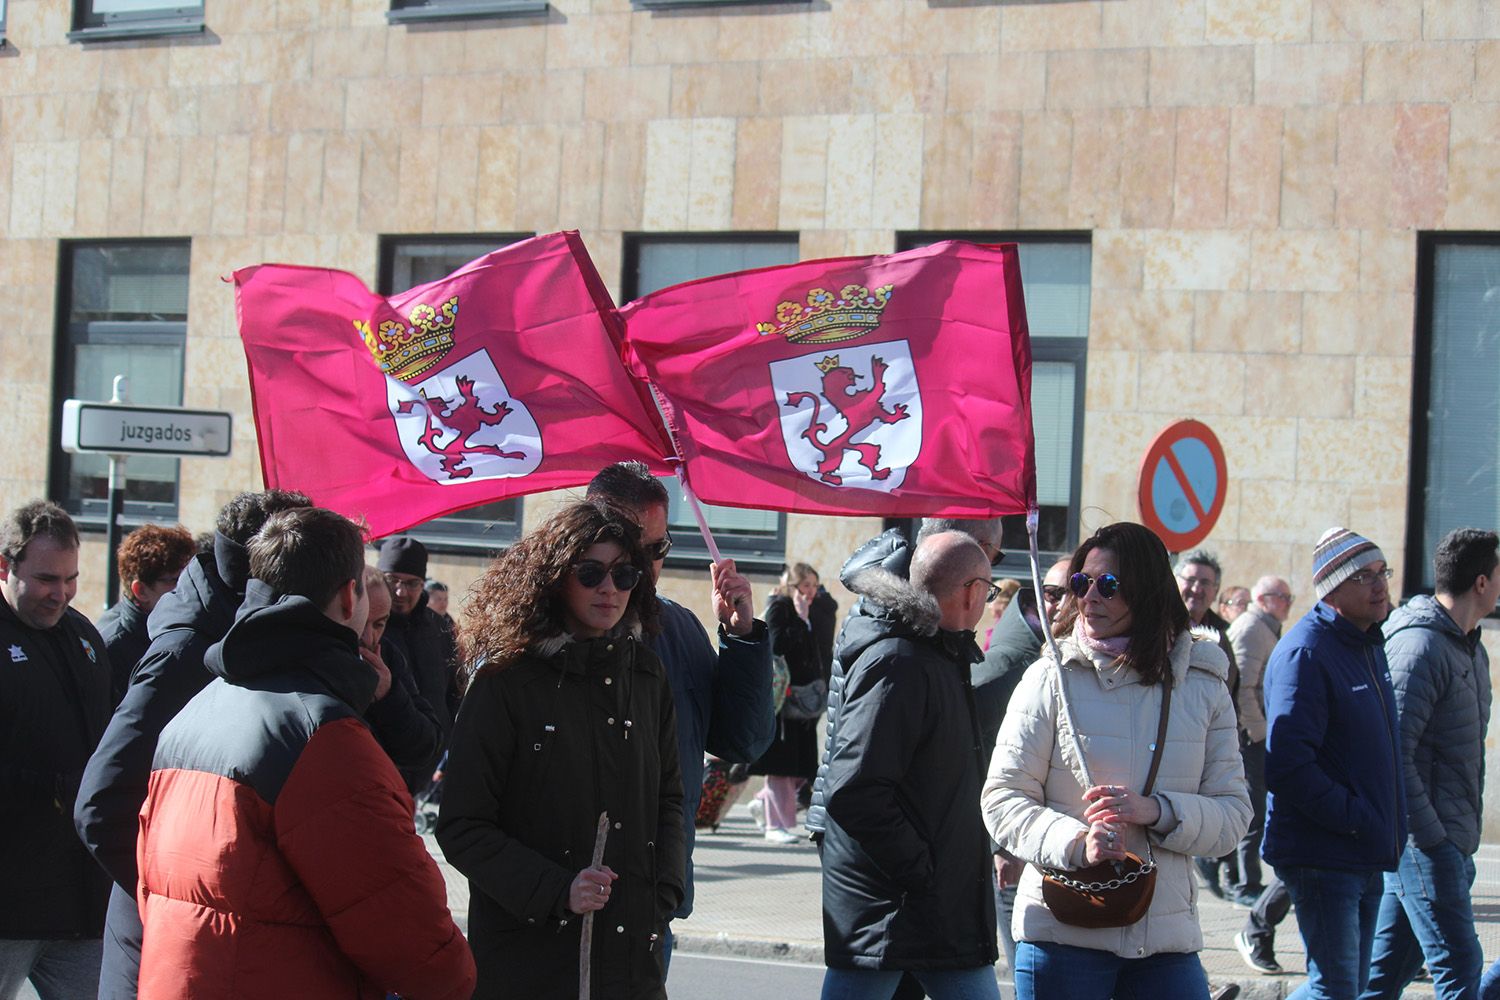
[(1113, 648)]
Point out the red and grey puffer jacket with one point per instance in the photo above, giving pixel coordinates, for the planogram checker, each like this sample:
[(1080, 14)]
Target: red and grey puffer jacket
[(277, 852)]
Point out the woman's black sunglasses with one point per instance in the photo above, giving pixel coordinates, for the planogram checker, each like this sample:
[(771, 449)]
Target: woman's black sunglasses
[(1107, 584), (592, 574)]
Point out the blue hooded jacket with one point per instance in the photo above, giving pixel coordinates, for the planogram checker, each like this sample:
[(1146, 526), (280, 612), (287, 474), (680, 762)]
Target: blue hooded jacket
[(1333, 765)]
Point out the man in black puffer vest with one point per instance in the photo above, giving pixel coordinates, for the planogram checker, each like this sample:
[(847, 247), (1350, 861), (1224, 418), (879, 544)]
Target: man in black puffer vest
[(182, 626)]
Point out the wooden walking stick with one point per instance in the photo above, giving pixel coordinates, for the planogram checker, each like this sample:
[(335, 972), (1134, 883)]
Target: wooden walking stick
[(586, 937)]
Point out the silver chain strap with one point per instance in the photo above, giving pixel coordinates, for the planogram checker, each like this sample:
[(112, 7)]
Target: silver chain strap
[(1098, 887)]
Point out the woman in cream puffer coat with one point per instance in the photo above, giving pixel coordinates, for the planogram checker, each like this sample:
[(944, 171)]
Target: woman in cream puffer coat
[(1124, 632)]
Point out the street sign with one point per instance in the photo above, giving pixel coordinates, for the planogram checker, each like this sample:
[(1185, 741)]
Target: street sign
[(1183, 482), (119, 429)]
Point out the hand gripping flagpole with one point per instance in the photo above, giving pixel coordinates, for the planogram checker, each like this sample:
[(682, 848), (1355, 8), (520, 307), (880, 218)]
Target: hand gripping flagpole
[(1066, 709)]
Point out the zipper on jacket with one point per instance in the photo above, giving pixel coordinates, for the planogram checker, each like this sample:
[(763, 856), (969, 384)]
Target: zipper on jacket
[(1385, 713)]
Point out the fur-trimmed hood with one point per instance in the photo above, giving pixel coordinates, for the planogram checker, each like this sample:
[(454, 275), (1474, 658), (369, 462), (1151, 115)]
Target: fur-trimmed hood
[(896, 597), (552, 645)]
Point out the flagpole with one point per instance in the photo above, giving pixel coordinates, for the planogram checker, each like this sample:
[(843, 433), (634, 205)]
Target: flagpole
[(1033, 516), (697, 508)]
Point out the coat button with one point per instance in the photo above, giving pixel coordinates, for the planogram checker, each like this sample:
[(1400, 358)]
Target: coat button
[(531, 920), (1140, 951), (655, 936), (564, 922), (620, 929), (609, 680), (609, 648), (610, 720), (617, 825)]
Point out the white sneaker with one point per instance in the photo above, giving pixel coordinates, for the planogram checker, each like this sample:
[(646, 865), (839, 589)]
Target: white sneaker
[(758, 813), (779, 835)]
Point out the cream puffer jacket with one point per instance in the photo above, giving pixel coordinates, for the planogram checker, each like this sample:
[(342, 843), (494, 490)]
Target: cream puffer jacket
[(1033, 804)]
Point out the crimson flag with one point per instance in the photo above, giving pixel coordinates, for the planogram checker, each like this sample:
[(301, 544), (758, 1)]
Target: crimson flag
[(897, 385), (502, 379)]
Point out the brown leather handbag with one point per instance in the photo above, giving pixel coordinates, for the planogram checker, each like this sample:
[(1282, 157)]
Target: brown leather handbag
[(1111, 893)]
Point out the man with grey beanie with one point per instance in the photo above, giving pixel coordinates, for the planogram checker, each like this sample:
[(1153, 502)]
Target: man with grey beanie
[(1336, 809)]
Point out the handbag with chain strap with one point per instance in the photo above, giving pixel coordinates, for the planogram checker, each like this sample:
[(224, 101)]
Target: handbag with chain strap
[(1113, 893)]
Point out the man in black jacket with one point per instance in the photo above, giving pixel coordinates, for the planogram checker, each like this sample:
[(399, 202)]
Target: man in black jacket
[(906, 859), (182, 626), (403, 723), (150, 560), (417, 631), (54, 702)]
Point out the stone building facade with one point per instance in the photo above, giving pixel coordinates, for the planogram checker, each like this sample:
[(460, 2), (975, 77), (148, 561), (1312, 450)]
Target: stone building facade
[(1260, 190)]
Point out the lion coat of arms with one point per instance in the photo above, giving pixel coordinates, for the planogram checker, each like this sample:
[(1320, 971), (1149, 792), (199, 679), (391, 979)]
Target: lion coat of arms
[(457, 423), (851, 416)]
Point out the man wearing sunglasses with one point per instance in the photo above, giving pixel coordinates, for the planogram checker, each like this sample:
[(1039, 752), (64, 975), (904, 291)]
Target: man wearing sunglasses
[(723, 695), (1336, 813)]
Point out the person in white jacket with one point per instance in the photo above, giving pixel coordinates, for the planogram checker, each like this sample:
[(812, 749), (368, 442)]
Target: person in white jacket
[(1124, 636)]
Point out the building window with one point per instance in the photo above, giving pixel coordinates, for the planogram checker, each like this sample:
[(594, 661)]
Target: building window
[(755, 538), (404, 263), (103, 20), (1055, 270), (1455, 455), (680, 4), (2, 24), (415, 11), (124, 312)]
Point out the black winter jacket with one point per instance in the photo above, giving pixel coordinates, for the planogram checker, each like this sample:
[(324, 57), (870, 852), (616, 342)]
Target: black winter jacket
[(1015, 644), (182, 626), (891, 551), (906, 858), (429, 649), (540, 749), (54, 703), (794, 751), (404, 724), (123, 627)]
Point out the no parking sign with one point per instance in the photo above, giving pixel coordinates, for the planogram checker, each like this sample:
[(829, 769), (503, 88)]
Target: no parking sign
[(1183, 482)]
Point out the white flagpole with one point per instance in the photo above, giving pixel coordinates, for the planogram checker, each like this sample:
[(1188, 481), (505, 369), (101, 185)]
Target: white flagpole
[(681, 473)]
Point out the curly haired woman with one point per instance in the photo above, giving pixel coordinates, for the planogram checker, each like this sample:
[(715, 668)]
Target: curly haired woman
[(568, 716)]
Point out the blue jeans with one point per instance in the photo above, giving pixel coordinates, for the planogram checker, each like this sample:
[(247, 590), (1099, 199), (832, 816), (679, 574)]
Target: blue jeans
[(58, 970), (1336, 913), (1426, 915), (1052, 971), (1489, 985), (877, 984)]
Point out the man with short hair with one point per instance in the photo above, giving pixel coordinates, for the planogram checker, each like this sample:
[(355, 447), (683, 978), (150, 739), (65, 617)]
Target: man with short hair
[(54, 703), (1441, 675), (417, 631), (1233, 602), (1336, 811), (437, 600), (403, 723), (1198, 578), (722, 696), (182, 626), (906, 858), (276, 848), (150, 560), (1254, 635)]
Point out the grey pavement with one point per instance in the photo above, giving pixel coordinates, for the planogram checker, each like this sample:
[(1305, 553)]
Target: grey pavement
[(757, 900)]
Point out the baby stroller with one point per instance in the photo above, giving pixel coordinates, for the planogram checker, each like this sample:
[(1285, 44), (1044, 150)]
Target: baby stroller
[(429, 799)]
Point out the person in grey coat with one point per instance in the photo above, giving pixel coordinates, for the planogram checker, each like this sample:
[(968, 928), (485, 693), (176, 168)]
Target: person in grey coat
[(1441, 674)]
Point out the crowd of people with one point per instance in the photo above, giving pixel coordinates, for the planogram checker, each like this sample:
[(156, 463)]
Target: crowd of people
[(212, 794)]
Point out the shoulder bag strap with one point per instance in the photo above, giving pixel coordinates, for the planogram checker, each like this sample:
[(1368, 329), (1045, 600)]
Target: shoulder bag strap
[(1161, 737)]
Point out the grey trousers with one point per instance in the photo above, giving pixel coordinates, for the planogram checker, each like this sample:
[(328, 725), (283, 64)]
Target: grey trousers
[(58, 970)]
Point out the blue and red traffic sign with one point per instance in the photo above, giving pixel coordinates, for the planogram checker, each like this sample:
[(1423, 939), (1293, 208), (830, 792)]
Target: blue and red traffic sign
[(1183, 482)]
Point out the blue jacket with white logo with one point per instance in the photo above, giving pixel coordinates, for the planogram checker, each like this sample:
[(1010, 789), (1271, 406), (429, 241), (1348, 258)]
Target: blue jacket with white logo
[(1333, 765)]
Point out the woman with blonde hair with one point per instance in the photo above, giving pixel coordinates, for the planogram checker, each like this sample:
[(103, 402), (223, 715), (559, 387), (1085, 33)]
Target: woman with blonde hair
[(569, 716), (1117, 763), (792, 758)]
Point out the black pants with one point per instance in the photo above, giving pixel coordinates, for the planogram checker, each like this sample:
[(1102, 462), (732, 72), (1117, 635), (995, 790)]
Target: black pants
[(1269, 910), (1248, 852)]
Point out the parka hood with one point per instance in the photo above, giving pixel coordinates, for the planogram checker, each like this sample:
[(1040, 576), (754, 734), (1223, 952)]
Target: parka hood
[(201, 601), (1422, 611), (275, 634)]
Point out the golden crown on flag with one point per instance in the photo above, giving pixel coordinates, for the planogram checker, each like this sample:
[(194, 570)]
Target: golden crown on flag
[(827, 319), (406, 350)]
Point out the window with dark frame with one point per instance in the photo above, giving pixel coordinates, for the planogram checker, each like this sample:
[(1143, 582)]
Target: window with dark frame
[(122, 311), (417, 11), (755, 538), (687, 4), (104, 20), (1455, 417), (407, 261), (1055, 272)]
